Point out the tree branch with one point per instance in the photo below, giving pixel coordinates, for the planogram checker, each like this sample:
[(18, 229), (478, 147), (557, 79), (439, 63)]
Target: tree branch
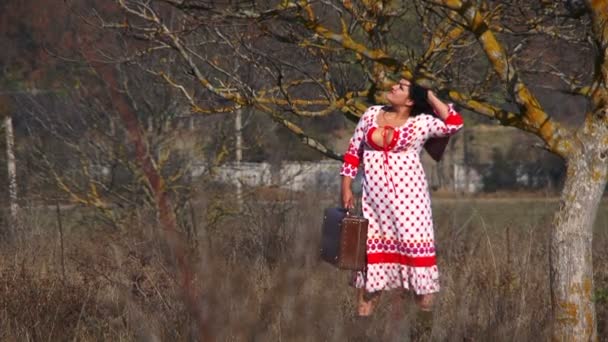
[(533, 115)]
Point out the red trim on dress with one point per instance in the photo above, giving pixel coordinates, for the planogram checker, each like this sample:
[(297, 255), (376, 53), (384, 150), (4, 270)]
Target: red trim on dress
[(389, 146), (454, 119), (396, 258), (351, 159)]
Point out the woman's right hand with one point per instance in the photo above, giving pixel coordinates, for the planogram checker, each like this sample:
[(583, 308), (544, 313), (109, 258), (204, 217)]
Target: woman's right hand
[(348, 200)]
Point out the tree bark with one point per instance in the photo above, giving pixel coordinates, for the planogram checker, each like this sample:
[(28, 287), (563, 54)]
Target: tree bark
[(571, 253), (571, 242)]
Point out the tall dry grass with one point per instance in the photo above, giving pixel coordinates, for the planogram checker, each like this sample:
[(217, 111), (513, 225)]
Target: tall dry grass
[(260, 278)]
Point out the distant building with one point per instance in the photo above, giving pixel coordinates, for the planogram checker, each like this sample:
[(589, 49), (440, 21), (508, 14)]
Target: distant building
[(466, 158), (322, 176)]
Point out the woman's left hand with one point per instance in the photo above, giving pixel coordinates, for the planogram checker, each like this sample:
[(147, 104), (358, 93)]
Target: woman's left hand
[(348, 201)]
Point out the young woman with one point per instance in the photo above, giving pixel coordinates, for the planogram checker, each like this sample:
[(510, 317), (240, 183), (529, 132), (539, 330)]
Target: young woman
[(400, 240)]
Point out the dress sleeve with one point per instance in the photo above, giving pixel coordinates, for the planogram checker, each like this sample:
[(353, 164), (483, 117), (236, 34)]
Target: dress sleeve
[(354, 153), (442, 128)]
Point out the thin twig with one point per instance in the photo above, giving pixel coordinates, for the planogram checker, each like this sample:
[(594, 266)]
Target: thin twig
[(62, 250)]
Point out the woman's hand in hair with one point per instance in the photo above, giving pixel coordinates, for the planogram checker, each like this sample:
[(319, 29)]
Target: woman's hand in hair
[(439, 106)]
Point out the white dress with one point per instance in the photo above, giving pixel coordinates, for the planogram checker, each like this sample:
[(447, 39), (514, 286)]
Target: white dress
[(396, 201)]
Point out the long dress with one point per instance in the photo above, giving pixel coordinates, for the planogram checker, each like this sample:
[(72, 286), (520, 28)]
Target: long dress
[(396, 201)]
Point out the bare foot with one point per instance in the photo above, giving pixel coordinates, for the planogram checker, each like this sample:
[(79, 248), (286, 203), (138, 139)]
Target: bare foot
[(425, 302), (366, 302)]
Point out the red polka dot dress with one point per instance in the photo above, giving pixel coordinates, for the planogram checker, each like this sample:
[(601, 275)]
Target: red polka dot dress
[(396, 201)]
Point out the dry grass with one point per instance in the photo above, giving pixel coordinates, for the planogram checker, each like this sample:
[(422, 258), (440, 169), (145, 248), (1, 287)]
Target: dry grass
[(260, 279)]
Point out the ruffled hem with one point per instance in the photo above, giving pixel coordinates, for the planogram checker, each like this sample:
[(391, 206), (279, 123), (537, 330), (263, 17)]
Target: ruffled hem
[(389, 276)]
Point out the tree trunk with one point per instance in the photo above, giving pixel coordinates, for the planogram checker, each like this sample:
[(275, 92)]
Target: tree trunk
[(571, 255), (12, 172)]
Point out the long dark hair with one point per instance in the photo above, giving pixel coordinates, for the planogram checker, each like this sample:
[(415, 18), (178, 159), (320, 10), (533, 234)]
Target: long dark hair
[(421, 105), (418, 94)]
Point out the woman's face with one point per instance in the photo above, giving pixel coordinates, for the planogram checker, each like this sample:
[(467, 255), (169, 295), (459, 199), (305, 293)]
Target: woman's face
[(399, 95)]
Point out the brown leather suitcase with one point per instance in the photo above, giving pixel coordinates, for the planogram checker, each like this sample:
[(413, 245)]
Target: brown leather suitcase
[(344, 239)]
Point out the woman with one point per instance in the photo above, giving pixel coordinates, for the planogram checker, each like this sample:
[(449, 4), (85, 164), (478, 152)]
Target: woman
[(396, 201)]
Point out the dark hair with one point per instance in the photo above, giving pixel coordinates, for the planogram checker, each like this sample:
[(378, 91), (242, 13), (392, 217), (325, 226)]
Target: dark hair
[(421, 105)]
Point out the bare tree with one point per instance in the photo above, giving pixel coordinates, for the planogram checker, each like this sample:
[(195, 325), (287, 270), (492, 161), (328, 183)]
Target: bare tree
[(313, 58), (96, 150)]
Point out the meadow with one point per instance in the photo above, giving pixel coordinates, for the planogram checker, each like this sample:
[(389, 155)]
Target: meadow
[(260, 279)]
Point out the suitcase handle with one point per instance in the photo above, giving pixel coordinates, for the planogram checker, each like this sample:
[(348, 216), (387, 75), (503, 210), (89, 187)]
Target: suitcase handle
[(357, 209), (353, 211)]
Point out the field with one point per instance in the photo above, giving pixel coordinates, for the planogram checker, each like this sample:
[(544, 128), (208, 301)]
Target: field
[(260, 279)]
